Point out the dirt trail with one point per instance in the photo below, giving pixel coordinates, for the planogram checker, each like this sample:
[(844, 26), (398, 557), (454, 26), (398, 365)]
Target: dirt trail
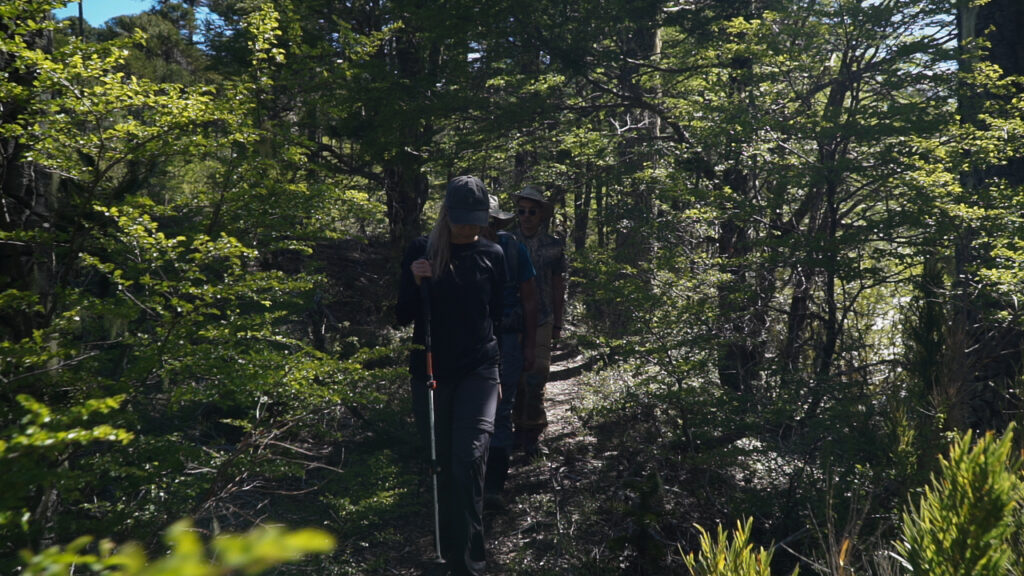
[(542, 492)]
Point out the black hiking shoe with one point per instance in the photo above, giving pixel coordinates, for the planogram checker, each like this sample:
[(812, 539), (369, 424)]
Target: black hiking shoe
[(535, 450), (493, 502)]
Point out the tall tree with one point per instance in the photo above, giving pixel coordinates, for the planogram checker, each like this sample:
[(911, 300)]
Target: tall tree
[(26, 192), (376, 80), (141, 321), (984, 338)]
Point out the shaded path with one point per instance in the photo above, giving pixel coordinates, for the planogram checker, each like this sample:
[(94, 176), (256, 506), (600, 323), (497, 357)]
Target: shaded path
[(532, 536)]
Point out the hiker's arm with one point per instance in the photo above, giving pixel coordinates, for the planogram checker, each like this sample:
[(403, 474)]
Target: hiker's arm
[(528, 297)]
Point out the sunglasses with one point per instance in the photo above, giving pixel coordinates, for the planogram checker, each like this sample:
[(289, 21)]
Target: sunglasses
[(525, 211)]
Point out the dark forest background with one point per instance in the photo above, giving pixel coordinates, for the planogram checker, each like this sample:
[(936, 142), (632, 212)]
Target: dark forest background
[(794, 228)]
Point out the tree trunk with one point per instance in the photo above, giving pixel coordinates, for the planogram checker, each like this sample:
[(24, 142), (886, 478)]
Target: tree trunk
[(405, 185), (1001, 22), (740, 355), (636, 212), (581, 216), (979, 395), (406, 189), (28, 202)]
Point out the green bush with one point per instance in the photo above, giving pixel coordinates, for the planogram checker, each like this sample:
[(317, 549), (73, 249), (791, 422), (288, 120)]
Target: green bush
[(725, 556), (965, 522), (251, 553)]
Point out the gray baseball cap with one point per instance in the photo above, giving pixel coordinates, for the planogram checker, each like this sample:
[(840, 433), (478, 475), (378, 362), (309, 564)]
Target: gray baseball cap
[(467, 201)]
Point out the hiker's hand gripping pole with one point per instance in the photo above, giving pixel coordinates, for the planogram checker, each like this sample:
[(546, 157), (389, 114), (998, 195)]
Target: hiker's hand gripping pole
[(422, 272)]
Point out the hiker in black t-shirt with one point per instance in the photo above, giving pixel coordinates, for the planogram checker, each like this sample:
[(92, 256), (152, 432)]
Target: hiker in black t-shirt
[(466, 277)]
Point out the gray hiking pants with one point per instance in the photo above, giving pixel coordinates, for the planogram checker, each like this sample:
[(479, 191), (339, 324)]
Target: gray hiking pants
[(464, 421)]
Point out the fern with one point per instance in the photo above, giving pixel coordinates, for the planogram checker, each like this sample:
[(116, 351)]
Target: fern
[(724, 557)]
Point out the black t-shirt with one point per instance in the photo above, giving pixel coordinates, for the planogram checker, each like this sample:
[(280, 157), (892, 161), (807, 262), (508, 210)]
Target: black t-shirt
[(465, 307)]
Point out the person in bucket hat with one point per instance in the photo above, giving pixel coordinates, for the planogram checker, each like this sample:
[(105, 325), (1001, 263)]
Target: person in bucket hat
[(548, 256), (532, 193), (517, 336), (458, 277)]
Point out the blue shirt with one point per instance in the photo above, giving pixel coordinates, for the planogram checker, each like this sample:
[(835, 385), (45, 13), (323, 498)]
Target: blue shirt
[(515, 278)]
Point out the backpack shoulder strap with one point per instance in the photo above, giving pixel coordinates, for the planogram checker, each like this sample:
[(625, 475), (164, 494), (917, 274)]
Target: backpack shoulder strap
[(510, 246)]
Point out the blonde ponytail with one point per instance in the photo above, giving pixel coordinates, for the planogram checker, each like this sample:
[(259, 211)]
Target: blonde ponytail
[(439, 244)]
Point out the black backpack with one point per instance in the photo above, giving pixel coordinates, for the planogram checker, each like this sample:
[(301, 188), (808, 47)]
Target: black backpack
[(512, 319)]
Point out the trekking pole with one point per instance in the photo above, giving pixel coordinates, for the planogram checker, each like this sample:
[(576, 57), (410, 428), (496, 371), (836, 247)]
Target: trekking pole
[(431, 386)]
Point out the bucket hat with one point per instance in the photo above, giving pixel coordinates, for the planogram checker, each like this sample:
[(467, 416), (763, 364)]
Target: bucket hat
[(467, 201), (496, 212), (533, 193)]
